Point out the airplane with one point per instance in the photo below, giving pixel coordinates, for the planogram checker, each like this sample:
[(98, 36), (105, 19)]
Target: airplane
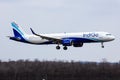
[(65, 39)]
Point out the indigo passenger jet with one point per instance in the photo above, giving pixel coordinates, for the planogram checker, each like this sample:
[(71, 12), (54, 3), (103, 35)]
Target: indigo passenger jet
[(65, 39)]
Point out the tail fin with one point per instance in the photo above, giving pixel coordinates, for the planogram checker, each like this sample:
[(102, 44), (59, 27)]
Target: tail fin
[(17, 30)]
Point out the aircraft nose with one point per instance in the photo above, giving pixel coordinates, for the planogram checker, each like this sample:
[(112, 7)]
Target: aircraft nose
[(112, 38)]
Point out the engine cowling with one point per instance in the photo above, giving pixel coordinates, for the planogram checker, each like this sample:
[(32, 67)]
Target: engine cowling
[(66, 42), (77, 44)]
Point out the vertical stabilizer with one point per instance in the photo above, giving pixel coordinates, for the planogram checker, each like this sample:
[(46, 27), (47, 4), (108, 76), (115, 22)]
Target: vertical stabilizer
[(18, 32)]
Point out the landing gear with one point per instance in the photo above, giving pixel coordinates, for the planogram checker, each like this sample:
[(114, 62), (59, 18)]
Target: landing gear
[(65, 47), (58, 47), (102, 45)]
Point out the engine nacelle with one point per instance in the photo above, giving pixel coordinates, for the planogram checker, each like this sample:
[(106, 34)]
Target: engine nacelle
[(77, 44), (66, 42)]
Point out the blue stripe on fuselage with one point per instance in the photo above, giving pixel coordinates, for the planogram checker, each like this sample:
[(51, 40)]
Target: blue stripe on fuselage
[(84, 40)]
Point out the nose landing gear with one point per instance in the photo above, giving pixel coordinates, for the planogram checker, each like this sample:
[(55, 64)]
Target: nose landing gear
[(102, 45)]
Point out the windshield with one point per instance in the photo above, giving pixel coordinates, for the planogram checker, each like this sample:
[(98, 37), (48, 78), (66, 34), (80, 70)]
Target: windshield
[(108, 34)]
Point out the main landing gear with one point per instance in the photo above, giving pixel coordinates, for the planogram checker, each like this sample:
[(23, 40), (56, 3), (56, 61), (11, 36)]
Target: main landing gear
[(65, 47), (102, 45), (58, 47)]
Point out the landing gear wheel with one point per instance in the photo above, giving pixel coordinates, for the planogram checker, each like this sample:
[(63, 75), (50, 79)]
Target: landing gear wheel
[(57, 47), (102, 45), (65, 48)]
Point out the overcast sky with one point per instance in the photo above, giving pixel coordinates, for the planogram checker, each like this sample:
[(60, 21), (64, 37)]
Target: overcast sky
[(55, 16)]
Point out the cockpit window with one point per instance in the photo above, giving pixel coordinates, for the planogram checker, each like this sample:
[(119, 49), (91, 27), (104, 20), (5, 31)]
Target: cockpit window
[(108, 34)]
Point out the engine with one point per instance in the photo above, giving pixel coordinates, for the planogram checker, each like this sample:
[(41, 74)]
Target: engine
[(77, 44), (66, 42)]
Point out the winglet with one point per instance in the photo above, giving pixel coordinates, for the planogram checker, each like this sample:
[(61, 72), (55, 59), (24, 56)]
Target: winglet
[(32, 31)]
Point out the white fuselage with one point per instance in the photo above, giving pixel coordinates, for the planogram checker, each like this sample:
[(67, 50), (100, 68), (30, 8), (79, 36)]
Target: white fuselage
[(85, 37)]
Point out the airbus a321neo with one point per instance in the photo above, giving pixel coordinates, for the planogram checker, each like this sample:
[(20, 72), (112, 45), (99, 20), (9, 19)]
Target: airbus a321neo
[(65, 39)]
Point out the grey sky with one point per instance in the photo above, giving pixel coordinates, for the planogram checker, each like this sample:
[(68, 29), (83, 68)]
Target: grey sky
[(55, 16)]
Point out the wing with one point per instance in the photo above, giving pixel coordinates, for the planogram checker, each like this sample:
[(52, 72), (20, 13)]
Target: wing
[(56, 40)]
